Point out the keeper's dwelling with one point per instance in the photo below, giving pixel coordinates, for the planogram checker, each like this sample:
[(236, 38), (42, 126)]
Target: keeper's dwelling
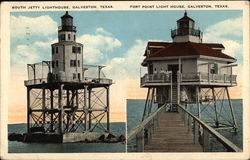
[(177, 68)]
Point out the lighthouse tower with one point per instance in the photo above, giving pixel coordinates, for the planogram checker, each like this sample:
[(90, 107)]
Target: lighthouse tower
[(67, 54), (185, 31), (61, 99), (188, 71)]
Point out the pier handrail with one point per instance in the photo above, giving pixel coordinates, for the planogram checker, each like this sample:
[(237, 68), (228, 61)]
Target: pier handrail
[(207, 130), (137, 129)]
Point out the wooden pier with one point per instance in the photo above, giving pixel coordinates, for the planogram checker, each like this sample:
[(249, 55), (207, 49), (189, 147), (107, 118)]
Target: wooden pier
[(172, 136), (179, 131)]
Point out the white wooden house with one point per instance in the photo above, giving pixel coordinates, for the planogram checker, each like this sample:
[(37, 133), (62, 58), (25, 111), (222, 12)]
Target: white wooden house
[(176, 69)]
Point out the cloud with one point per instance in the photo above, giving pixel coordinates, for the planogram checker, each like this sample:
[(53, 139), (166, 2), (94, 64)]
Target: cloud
[(22, 26), (128, 66), (98, 44), (233, 48), (103, 42), (227, 32), (125, 73), (103, 31), (92, 55), (38, 51), (229, 27), (24, 54)]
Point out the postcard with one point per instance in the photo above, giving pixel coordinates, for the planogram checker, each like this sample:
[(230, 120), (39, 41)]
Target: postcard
[(125, 80)]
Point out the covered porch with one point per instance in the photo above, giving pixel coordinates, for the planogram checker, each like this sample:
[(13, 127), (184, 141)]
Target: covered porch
[(199, 78)]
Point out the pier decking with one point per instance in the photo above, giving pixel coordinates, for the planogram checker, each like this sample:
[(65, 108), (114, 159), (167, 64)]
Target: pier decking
[(172, 136)]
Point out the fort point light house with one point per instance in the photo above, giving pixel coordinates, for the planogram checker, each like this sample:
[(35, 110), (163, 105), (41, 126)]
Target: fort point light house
[(188, 71), (66, 100)]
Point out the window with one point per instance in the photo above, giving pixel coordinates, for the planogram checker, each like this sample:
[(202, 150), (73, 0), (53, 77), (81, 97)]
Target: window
[(72, 63), (74, 37), (69, 37), (56, 49), (74, 76), (52, 50), (62, 37), (79, 76), (53, 64), (76, 49), (56, 63), (78, 63), (214, 68)]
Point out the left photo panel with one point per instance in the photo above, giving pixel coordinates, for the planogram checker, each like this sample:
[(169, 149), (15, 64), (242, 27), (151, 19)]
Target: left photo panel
[(62, 88)]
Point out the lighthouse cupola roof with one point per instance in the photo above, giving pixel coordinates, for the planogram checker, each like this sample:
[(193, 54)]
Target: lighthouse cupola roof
[(67, 23), (185, 18), (66, 15)]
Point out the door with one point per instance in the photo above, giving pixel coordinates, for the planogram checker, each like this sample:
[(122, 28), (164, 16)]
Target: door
[(174, 68)]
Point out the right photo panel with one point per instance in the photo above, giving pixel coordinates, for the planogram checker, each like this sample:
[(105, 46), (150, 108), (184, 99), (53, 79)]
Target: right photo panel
[(189, 95)]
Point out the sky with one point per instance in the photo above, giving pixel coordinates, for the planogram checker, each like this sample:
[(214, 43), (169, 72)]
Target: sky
[(116, 39)]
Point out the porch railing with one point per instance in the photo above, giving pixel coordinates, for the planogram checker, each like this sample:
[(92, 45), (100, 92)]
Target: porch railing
[(156, 78), (189, 77), (206, 77)]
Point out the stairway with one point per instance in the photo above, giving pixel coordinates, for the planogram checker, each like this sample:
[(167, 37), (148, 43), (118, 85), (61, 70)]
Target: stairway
[(174, 97), (172, 136)]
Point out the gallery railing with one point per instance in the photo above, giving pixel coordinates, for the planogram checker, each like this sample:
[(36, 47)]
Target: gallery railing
[(68, 79), (67, 28), (185, 31)]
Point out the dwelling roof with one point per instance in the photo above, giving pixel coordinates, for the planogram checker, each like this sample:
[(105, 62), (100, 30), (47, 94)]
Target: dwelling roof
[(155, 46), (152, 43), (189, 49), (215, 45)]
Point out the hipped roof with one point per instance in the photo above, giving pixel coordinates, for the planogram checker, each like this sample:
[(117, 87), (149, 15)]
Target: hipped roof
[(189, 49)]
